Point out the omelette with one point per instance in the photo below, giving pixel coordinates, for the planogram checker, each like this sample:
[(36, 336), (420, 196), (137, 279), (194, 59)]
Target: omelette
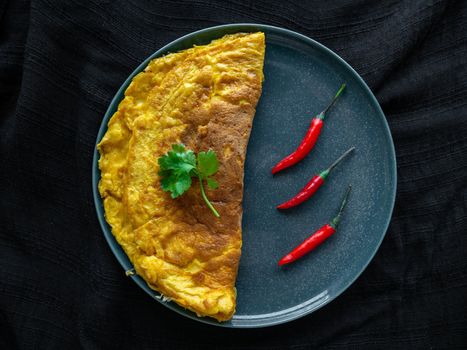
[(205, 98)]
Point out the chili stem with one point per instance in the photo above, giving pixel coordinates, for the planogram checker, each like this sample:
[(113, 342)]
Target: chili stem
[(334, 99), (335, 222), (338, 160), (203, 194)]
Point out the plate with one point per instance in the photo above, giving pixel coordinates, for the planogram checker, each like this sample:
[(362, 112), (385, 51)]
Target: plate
[(301, 76)]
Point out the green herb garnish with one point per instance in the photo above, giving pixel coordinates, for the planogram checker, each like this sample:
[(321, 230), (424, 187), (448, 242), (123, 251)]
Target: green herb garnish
[(179, 165)]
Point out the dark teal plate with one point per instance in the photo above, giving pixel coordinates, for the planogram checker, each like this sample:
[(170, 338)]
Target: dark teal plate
[(301, 76)]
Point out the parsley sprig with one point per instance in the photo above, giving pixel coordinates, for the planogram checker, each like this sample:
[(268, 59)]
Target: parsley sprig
[(179, 165)]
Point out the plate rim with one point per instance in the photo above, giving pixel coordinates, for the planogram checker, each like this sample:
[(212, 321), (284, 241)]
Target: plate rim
[(121, 256)]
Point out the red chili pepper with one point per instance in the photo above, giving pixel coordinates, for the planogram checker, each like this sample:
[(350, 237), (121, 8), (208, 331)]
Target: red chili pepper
[(313, 185), (316, 238), (309, 140)]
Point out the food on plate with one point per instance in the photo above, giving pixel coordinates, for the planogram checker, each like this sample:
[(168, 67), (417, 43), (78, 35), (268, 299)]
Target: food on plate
[(204, 98), (309, 140), (318, 237), (179, 165), (312, 186)]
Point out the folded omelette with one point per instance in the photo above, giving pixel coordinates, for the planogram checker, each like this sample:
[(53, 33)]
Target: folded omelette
[(204, 97)]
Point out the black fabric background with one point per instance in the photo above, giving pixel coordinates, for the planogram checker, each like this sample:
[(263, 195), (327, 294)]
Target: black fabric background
[(61, 62)]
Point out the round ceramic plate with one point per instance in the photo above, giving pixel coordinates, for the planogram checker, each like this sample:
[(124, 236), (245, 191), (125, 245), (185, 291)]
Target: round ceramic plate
[(301, 76)]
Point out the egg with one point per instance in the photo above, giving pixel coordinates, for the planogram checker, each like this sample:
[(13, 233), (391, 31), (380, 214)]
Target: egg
[(204, 97)]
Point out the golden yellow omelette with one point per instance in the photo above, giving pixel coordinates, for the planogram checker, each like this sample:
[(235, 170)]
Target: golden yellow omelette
[(204, 97)]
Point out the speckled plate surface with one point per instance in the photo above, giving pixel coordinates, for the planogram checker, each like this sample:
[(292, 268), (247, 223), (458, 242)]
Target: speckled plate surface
[(301, 76)]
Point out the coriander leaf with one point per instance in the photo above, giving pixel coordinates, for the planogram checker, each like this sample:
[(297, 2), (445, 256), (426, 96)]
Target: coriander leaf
[(176, 184), (178, 159), (178, 147), (207, 163), (179, 165), (212, 184), (183, 183), (175, 169)]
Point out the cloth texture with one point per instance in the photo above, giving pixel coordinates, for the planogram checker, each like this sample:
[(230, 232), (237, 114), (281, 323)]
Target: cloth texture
[(61, 62)]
